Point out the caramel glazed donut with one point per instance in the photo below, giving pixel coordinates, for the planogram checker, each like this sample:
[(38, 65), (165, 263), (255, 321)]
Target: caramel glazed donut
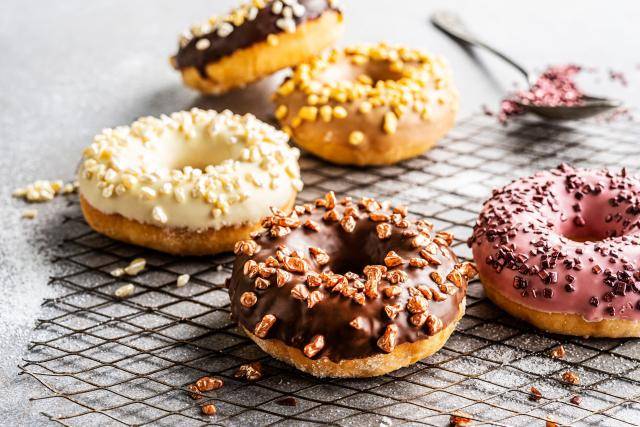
[(255, 40), (560, 249), (348, 289), (192, 183), (368, 105)]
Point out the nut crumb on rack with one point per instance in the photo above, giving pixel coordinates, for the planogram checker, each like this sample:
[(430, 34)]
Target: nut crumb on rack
[(558, 352), (182, 280), (135, 266), (535, 394), (209, 409), (460, 419), (125, 291), (44, 191), (29, 214), (571, 377), (249, 371)]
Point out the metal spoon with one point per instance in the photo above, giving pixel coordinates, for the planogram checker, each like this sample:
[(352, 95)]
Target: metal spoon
[(451, 24)]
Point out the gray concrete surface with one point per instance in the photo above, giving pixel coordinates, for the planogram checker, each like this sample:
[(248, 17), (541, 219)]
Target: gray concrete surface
[(70, 68)]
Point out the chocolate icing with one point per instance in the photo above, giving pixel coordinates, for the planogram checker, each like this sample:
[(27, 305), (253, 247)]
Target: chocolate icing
[(245, 35), (565, 240), (296, 324)]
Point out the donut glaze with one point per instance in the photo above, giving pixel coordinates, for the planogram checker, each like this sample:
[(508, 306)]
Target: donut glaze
[(564, 241), (348, 236)]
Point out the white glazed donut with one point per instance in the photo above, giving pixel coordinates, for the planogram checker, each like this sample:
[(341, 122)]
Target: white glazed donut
[(191, 183)]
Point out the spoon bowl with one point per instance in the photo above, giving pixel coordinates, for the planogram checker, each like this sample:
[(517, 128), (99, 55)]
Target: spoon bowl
[(451, 24)]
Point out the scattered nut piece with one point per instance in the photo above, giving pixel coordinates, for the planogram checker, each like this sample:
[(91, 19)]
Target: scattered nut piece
[(182, 280), (571, 377), (314, 347), (125, 291), (135, 266), (460, 419), (535, 394), (576, 400), (249, 371), (29, 214), (209, 383), (558, 352), (209, 409), (248, 299), (262, 327), (387, 342)]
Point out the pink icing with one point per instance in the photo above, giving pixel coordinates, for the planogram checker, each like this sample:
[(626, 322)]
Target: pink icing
[(565, 240)]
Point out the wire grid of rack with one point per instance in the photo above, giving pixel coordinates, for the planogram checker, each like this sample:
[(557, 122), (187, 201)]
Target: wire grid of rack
[(106, 361)]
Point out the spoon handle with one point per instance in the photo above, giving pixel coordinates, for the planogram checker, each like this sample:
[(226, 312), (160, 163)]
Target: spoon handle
[(451, 24)]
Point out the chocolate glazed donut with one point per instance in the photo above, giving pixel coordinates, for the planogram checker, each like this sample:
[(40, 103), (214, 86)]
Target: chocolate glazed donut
[(347, 289)]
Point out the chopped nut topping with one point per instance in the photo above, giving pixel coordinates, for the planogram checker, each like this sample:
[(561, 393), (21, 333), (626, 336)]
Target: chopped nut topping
[(418, 319), (319, 255), (209, 383), (419, 241), (250, 371), (383, 231), (282, 277), (387, 342), (250, 269), (417, 304), (248, 299), (403, 211), (434, 324), (359, 298), (392, 291), (356, 138), (392, 310), (550, 422), (469, 270), (331, 216), (393, 259), (571, 378), (437, 296), (264, 271), (455, 277), (314, 279), (418, 262), (397, 276), (314, 298), (300, 292), (311, 225), (262, 328), (271, 262), (429, 258), (261, 283), (378, 217), (425, 291), (330, 200), (435, 276), (314, 347), (295, 265), (558, 352), (209, 409), (348, 224), (357, 323), (447, 237), (246, 247)]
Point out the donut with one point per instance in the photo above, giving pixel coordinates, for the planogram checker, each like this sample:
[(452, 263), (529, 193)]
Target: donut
[(560, 250), (192, 183), (346, 289), (368, 105), (255, 40)]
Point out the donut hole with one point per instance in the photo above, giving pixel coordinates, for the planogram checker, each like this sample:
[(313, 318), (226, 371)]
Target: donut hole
[(202, 151), (600, 223), (353, 252), (376, 70)]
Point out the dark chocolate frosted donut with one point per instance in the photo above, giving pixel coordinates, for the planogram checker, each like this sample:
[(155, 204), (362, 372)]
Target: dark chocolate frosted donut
[(560, 249), (273, 34), (348, 289)]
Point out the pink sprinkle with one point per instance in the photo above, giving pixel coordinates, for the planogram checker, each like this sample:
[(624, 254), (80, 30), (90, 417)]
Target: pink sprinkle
[(554, 87), (618, 76)]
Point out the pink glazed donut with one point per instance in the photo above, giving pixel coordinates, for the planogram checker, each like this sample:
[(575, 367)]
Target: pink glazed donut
[(561, 250)]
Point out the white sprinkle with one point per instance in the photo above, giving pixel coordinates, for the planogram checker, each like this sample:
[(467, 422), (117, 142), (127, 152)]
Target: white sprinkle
[(203, 44), (252, 14), (298, 10), (183, 279), (277, 7), (225, 29), (125, 291), (135, 266), (159, 215), (286, 24)]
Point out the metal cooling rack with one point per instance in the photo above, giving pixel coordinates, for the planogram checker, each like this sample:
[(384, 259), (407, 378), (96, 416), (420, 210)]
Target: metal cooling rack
[(109, 362)]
